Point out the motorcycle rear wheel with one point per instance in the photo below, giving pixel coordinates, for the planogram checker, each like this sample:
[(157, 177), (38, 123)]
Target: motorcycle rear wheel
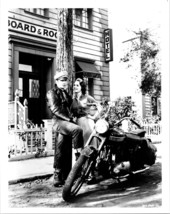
[(77, 177)]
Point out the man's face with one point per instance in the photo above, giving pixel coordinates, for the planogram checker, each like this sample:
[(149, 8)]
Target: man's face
[(62, 83)]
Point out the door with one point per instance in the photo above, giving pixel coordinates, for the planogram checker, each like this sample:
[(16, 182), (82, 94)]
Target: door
[(29, 87), (33, 72), (32, 81)]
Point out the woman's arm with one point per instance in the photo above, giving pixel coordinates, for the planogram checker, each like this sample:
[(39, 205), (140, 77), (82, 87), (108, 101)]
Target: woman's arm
[(92, 103)]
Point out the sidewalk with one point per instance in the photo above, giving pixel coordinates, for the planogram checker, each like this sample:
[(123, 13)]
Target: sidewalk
[(31, 169)]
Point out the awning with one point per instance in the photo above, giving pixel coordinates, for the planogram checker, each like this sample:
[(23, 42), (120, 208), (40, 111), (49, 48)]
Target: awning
[(88, 69)]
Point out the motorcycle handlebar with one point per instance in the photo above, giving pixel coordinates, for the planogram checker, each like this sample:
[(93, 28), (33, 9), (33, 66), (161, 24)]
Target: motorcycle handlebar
[(128, 118)]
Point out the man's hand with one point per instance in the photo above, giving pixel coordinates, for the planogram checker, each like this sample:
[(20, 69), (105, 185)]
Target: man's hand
[(73, 119)]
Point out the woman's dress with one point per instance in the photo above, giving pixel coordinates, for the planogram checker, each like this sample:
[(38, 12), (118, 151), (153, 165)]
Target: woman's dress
[(82, 108)]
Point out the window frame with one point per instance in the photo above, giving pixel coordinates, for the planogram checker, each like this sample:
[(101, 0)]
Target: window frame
[(89, 19), (46, 12)]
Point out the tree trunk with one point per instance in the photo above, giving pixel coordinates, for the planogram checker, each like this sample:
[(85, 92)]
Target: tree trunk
[(64, 47)]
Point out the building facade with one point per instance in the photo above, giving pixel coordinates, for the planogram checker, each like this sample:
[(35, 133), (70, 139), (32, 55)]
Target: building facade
[(32, 54)]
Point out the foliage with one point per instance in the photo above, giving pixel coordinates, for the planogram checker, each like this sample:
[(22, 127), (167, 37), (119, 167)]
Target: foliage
[(122, 107), (150, 67)]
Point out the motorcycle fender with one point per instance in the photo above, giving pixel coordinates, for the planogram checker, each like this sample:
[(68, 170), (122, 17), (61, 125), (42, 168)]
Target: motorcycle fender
[(88, 151)]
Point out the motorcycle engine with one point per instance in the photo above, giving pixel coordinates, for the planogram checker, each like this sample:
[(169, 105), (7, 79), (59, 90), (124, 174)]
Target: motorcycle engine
[(103, 167)]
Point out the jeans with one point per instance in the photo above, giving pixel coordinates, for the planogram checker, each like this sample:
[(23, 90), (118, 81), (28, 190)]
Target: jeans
[(68, 133)]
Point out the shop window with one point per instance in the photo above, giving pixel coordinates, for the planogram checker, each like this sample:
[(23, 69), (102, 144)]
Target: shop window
[(38, 11), (90, 85), (83, 18), (20, 87), (34, 88), (154, 105)]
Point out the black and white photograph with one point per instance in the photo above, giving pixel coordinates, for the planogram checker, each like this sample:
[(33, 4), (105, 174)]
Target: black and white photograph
[(85, 106)]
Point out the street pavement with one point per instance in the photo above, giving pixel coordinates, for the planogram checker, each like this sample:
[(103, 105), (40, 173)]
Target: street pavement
[(141, 191), (31, 169), (33, 187)]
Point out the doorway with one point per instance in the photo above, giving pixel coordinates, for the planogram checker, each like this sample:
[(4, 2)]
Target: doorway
[(33, 72)]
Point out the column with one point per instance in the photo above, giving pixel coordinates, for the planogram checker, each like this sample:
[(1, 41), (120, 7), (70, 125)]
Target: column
[(48, 133)]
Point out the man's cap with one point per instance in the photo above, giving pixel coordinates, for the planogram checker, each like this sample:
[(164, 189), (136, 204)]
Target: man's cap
[(60, 74)]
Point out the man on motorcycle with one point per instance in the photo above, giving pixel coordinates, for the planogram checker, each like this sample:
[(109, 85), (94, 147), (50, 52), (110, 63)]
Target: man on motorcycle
[(59, 102)]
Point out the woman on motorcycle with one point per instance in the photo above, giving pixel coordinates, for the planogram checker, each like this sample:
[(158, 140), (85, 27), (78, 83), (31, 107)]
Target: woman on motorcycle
[(85, 108)]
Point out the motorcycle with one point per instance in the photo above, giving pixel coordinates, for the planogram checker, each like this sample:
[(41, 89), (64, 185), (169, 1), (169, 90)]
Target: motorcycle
[(110, 152)]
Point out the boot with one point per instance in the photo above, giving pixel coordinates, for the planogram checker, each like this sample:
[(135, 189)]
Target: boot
[(77, 155), (58, 181), (91, 180)]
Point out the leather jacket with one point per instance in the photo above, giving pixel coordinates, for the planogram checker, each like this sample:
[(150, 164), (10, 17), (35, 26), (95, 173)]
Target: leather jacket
[(58, 104)]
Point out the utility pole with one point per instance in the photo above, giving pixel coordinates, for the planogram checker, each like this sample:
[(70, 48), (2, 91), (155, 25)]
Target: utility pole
[(64, 46), (129, 40)]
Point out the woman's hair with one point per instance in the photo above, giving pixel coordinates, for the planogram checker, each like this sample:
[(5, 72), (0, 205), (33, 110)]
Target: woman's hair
[(82, 84)]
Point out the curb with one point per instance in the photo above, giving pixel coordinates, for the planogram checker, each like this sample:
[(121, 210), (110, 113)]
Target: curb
[(30, 156), (28, 179)]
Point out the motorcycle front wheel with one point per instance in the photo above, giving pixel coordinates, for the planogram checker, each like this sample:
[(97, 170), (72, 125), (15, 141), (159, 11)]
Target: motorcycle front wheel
[(77, 177)]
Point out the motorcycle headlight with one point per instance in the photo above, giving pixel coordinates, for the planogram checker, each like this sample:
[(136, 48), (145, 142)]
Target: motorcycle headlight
[(101, 126)]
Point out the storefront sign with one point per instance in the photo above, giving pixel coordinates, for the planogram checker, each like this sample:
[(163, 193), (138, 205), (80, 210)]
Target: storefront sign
[(108, 45), (31, 29)]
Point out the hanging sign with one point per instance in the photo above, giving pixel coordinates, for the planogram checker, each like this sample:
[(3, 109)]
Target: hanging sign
[(108, 45), (29, 28)]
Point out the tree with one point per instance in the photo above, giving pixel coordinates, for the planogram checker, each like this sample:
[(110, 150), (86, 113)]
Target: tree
[(64, 47), (150, 66), (122, 107)]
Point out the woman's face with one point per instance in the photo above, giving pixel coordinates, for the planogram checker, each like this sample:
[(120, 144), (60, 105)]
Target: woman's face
[(77, 87)]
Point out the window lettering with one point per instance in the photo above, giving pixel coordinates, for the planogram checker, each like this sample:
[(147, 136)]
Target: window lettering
[(20, 26), (45, 32), (33, 29), (51, 33), (107, 39), (26, 28), (13, 24), (108, 45)]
